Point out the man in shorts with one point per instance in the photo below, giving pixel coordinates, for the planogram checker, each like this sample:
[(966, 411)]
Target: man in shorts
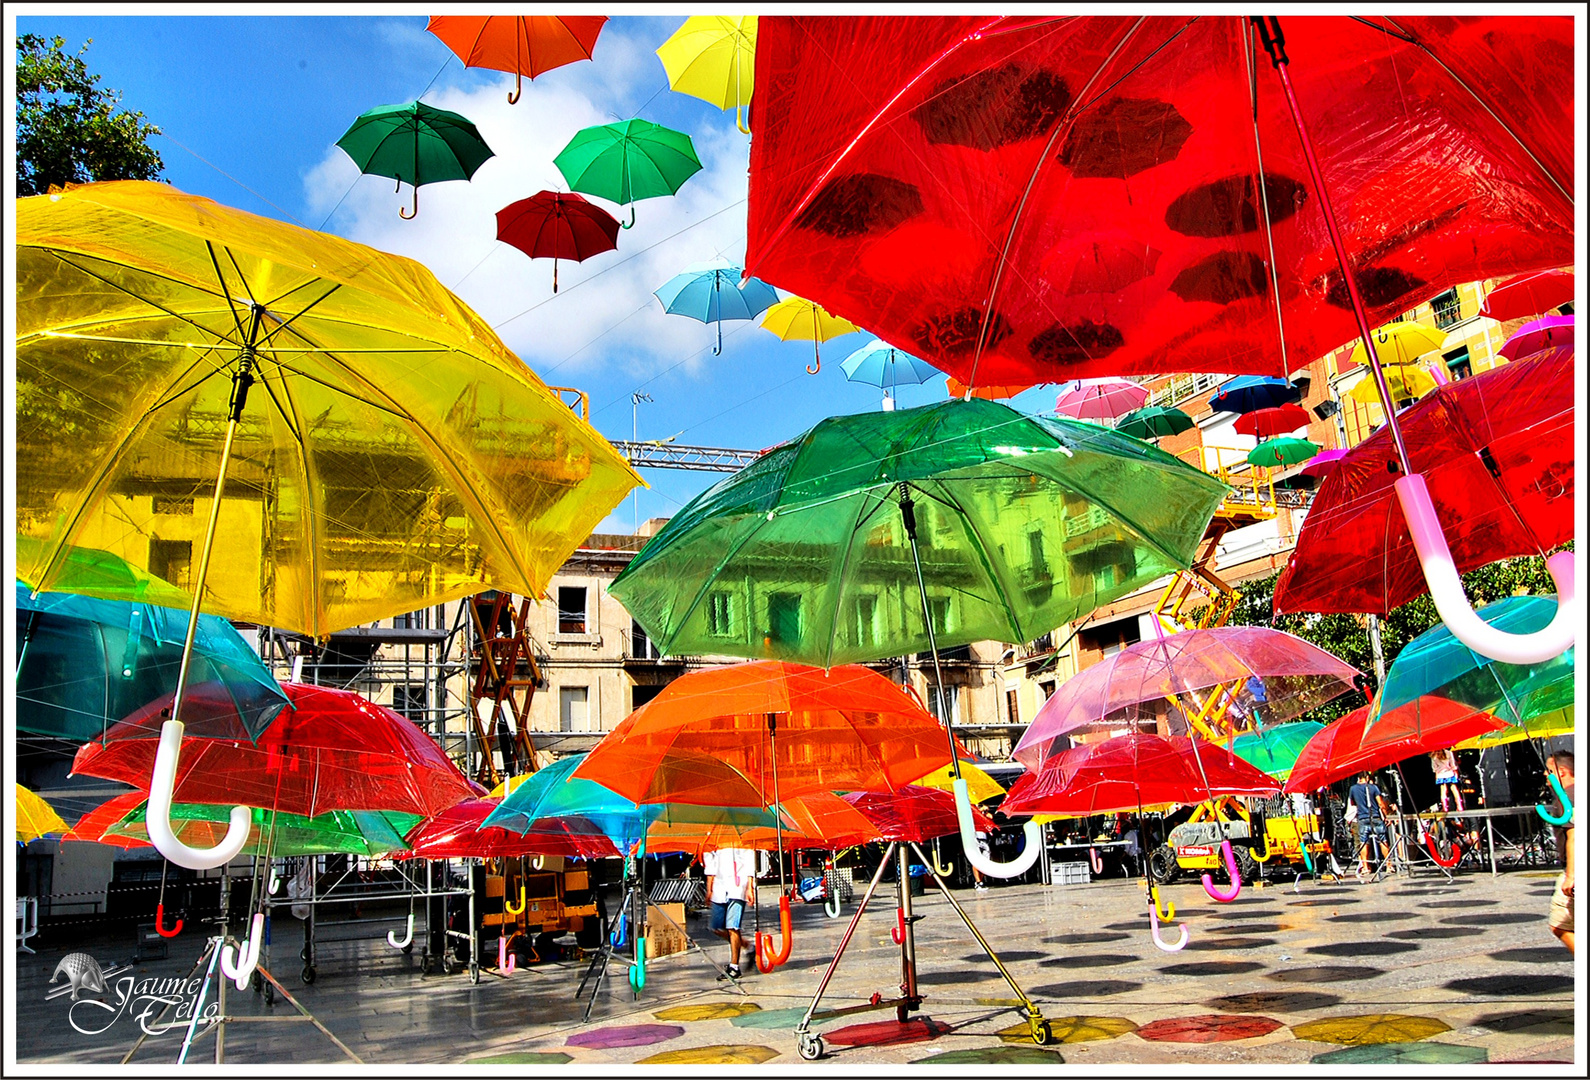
[(1372, 810), (731, 884), (1560, 765)]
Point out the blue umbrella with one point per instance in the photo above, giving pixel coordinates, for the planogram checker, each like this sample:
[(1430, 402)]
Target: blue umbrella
[(713, 292), (879, 364), (1248, 393)]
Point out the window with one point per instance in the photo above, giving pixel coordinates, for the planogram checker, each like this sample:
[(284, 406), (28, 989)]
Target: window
[(571, 609), (170, 504), (1046, 687), (720, 614), (572, 712), (171, 560), (866, 620), (1012, 706), (784, 617), (940, 609), (952, 702), (640, 645), (1458, 362), (1448, 309), (640, 695), (409, 701), (411, 620)]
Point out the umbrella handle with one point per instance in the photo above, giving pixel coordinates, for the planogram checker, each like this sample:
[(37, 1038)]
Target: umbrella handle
[(739, 110), (507, 962), (767, 957), (1165, 913), (1562, 796), (407, 214), (817, 360), (1095, 860), (1446, 589), (631, 223), (247, 953), (637, 970), (831, 904), (160, 922), (538, 863), (406, 940), (939, 867), (162, 781), (617, 935), (518, 86), (1435, 852), (1016, 867), (1225, 896), (1159, 942), (897, 932), (510, 909)]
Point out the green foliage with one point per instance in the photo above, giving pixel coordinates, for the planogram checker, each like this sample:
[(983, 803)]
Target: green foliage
[(1347, 636), (69, 129)]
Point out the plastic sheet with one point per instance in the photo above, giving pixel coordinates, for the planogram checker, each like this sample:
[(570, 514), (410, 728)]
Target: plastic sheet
[(913, 813)]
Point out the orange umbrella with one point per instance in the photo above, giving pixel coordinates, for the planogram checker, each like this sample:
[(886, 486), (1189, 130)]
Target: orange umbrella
[(522, 44), (957, 389), (821, 820)]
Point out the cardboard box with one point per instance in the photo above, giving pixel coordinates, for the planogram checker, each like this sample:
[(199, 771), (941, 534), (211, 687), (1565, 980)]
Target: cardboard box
[(664, 938)]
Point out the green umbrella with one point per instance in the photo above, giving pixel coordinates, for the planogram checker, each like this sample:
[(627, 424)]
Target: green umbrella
[(340, 832), (1274, 750), (1282, 452), (1154, 422), (628, 161), (415, 144)]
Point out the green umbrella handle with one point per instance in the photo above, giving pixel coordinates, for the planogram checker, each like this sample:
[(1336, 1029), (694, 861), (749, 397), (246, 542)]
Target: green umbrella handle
[(630, 224)]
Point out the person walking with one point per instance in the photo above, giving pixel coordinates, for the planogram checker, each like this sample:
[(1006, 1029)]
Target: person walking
[(1560, 765), (731, 884), (1369, 810), (1445, 765)]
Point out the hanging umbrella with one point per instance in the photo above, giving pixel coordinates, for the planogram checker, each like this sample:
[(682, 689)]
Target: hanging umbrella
[(397, 454), (1409, 382), (1323, 463), (1528, 295), (1399, 344), (819, 820), (1268, 423), (879, 364), (628, 161), (370, 833), (35, 817), (461, 832), (99, 573), (1497, 450), (985, 392), (557, 225), (796, 319), (979, 785), (415, 144), (1264, 677), (713, 292), (1100, 399), (1274, 750), (900, 146), (1129, 772), (713, 57), (1154, 422), (1554, 332), (84, 663), (91, 827), (1250, 393), (522, 44), (1282, 453), (914, 814), (1339, 752)]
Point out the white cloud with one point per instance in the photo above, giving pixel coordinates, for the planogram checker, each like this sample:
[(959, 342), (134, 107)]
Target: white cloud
[(455, 231)]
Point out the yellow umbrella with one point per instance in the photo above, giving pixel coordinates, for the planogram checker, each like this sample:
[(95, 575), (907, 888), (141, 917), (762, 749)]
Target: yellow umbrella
[(1399, 343), (980, 786), (35, 817), (1405, 381), (798, 319), (713, 57), (507, 784)]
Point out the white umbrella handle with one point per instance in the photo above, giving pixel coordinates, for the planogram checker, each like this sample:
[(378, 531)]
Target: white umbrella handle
[(162, 782), (1153, 928), (974, 854), (1446, 589), (406, 940), (247, 954)]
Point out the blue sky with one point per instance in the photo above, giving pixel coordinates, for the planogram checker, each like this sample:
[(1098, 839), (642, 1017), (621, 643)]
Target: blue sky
[(263, 100)]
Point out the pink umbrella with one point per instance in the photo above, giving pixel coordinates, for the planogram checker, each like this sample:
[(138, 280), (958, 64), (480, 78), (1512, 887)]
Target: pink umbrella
[(1554, 332), (1528, 294), (1100, 399), (1277, 677), (1323, 462)]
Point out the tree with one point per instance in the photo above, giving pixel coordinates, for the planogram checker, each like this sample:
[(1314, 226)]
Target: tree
[(69, 129)]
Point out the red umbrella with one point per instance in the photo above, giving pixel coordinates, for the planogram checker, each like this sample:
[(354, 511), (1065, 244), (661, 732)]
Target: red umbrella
[(940, 179), (331, 750), (1497, 451), (91, 827), (914, 813), (457, 832), (522, 44), (1528, 295), (1268, 423), (557, 225), (1133, 771), (1337, 751)]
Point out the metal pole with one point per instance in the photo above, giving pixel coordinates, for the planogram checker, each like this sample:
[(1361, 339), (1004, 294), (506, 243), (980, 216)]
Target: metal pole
[(908, 936), (1490, 830), (908, 513), (844, 942), (634, 432), (1377, 651)]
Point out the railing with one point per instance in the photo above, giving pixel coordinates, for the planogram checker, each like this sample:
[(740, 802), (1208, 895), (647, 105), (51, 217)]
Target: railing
[(1252, 488), (1183, 387), (578, 400)]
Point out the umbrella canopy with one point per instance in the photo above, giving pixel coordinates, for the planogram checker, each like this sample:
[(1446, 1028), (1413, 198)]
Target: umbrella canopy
[(880, 364), (980, 786), (415, 144), (803, 554), (1250, 393), (370, 833), (35, 817), (1100, 399), (522, 44), (1323, 463), (1409, 381), (1270, 676), (797, 319), (1132, 771), (1280, 453), (1497, 453), (1274, 750), (917, 173), (333, 750), (1339, 751), (713, 292), (725, 735), (818, 820), (914, 814), (83, 663), (95, 572), (1154, 422), (395, 453), (557, 225), (628, 161), (713, 57), (461, 832), (1268, 423), (985, 392), (1553, 333), (1528, 295), (1399, 344)]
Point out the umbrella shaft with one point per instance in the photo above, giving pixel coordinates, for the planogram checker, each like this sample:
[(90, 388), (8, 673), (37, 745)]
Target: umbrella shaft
[(908, 513)]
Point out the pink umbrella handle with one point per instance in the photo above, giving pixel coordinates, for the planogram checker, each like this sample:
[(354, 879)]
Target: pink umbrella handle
[(1159, 942), (507, 962), (1225, 896), (1095, 860), (1446, 589)]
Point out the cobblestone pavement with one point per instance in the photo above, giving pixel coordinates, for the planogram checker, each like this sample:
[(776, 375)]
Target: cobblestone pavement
[(1417, 970)]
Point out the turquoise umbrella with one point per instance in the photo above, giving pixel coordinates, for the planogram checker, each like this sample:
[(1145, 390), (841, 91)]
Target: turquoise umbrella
[(1274, 750), (878, 363), (713, 292)]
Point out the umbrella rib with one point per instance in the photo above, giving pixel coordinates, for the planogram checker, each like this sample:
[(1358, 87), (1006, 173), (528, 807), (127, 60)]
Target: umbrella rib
[(1004, 589), (144, 299), (220, 278)]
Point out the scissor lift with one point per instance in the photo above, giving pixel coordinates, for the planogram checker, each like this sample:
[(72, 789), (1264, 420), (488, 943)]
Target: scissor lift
[(504, 684)]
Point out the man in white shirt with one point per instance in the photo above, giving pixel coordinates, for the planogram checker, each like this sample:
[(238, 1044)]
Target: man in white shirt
[(731, 884)]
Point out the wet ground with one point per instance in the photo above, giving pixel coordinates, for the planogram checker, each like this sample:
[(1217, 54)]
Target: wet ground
[(1416, 970)]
